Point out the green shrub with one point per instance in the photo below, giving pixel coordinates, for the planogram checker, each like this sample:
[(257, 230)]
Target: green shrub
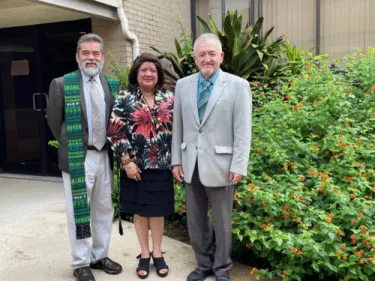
[(121, 73), (306, 206)]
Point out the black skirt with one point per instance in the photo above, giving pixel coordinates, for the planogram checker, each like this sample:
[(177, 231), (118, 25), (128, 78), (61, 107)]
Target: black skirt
[(153, 196)]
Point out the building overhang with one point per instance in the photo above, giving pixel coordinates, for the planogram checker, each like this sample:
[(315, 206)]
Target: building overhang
[(15, 13), (101, 8)]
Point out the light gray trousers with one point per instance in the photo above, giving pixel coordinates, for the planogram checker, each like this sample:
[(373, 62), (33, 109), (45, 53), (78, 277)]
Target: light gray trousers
[(99, 190), (200, 228)]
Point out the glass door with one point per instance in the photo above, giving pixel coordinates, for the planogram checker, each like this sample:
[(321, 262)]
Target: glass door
[(21, 126)]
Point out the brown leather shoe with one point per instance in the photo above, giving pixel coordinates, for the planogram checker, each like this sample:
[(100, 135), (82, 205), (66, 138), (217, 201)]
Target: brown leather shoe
[(107, 265), (83, 274)]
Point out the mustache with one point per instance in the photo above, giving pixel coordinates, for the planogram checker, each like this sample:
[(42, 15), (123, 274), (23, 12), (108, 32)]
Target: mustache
[(85, 62)]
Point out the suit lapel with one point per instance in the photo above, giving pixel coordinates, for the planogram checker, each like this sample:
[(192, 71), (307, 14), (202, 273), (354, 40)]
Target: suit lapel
[(215, 94), (193, 88)]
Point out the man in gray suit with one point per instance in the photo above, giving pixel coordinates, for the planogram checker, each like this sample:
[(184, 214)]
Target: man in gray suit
[(210, 152), (80, 104)]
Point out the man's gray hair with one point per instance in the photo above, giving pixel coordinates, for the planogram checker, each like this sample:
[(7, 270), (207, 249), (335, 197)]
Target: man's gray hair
[(208, 37), (90, 37)]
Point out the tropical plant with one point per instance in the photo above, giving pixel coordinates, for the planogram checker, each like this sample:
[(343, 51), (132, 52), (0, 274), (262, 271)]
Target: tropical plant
[(182, 61), (246, 50)]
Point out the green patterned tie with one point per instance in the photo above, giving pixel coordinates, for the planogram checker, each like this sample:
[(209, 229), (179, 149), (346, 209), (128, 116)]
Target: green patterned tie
[(203, 98)]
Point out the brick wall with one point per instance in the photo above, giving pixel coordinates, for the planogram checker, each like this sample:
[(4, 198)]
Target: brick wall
[(154, 23)]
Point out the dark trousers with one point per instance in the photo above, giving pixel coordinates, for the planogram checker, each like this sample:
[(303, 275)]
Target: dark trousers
[(200, 228)]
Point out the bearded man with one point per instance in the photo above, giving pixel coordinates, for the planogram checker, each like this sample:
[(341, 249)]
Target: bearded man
[(78, 111)]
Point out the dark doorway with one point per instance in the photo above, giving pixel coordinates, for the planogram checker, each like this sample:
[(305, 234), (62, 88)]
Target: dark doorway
[(30, 57)]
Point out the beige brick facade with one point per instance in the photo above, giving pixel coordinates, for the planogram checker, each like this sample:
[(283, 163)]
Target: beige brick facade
[(154, 23)]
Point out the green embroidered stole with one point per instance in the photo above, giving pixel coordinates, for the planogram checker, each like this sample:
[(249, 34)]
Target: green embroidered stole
[(76, 155)]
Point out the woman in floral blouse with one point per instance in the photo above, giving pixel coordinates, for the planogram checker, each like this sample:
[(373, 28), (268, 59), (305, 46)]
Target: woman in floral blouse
[(140, 133)]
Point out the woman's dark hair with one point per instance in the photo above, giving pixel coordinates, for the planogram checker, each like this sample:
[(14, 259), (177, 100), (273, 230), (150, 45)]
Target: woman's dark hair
[(133, 83)]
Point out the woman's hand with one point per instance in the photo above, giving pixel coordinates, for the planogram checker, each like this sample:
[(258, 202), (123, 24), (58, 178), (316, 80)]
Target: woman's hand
[(132, 171)]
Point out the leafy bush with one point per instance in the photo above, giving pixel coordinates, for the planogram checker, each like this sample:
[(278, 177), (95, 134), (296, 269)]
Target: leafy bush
[(306, 206), (121, 73)]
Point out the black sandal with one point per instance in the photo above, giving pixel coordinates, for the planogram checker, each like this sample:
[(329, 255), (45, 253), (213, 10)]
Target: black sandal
[(160, 264), (144, 265)]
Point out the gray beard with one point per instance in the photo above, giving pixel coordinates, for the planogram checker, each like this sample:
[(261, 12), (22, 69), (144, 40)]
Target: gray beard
[(90, 71)]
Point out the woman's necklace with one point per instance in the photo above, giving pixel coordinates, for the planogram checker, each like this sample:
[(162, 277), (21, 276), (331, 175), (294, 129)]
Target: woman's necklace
[(151, 109), (145, 101)]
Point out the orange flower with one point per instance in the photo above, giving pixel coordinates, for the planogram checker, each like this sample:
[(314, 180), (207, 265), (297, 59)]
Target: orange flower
[(283, 276), (293, 249), (370, 259), (338, 255), (361, 261), (339, 233), (343, 248), (373, 88), (299, 253), (347, 124)]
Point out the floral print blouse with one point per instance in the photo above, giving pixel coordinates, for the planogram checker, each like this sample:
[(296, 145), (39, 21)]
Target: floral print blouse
[(143, 132)]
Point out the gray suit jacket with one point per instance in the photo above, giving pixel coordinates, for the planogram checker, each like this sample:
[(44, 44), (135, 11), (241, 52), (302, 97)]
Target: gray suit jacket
[(56, 115), (221, 143)]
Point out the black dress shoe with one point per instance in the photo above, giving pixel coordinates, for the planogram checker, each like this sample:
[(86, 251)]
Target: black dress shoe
[(83, 274), (107, 265), (199, 275), (224, 277)]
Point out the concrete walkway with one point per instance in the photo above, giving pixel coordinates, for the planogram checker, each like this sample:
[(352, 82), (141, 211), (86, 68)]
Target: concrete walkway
[(34, 241)]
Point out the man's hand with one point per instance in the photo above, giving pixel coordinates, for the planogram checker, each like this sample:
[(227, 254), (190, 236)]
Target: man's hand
[(178, 173), (235, 178)]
